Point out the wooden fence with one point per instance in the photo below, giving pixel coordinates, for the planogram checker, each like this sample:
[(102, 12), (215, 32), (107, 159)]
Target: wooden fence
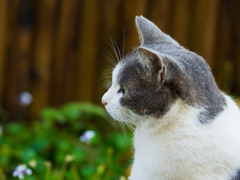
[(54, 48)]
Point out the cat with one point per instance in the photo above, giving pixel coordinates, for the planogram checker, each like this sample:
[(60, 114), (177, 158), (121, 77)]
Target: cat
[(186, 128)]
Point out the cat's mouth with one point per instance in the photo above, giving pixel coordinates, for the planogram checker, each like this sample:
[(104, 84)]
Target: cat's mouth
[(113, 112), (119, 114)]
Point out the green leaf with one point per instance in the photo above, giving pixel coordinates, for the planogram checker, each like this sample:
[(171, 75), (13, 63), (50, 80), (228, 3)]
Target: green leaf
[(50, 115), (72, 111), (79, 154), (14, 128), (88, 171), (28, 155)]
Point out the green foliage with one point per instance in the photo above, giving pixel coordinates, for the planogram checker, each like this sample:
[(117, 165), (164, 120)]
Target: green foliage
[(51, 148)]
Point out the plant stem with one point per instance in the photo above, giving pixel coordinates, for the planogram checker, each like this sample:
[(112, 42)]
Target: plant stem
[(48, 172), (109, 163), (63, 170), (74, 171), (100, 170)]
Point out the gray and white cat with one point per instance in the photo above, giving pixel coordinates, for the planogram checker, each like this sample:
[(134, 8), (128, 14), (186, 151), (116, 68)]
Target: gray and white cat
[(186, 128)]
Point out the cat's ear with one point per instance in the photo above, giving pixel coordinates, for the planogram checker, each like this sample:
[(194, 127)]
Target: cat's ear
[(149, 33), (153, 62)]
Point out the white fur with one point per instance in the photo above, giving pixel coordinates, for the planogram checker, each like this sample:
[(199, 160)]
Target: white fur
[(177, 146), (112, 96)]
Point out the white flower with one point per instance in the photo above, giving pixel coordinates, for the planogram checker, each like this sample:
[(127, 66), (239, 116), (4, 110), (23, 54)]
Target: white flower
[(87, 136), (69, 158), (25, 99), (21, 171)]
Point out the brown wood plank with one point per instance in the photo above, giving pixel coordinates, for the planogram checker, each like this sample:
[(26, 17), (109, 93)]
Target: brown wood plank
[(236, 47), (131, 10), (3, 18), (9, 93), (42, 55), (88, 51), (198, 18), (159, 14), (223, 44), (18, 55), (180, 24), (210, 28), (63, 53), (21, 56)]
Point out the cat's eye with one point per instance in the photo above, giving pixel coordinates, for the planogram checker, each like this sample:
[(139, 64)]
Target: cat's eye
[(123, 90)]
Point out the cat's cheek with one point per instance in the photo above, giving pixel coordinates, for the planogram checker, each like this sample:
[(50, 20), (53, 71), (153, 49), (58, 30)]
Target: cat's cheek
[(115, 100)]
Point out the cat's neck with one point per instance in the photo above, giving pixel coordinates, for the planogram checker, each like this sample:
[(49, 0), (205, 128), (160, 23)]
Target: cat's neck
[(179, 116)]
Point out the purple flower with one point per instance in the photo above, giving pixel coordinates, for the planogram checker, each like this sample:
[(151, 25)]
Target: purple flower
[(21, 171), (87, 136), (25, 98)]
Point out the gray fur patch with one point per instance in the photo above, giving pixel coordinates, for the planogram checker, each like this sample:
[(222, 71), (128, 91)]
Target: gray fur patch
[(149, 33), (236, 176), (144, 96), (187, 77)]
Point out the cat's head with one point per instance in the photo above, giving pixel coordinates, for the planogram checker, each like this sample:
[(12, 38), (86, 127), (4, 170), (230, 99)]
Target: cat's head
[(148, 81)]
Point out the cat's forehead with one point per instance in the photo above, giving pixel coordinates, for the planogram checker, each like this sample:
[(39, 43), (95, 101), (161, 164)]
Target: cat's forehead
[(116, 71), (125, 67)]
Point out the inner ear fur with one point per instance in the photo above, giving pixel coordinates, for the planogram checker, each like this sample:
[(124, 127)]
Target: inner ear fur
[(152, 61)]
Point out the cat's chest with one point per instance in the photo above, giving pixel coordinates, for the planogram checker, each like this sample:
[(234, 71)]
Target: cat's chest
[(158, 154), (170, 145), (184, 154), (168, 150)]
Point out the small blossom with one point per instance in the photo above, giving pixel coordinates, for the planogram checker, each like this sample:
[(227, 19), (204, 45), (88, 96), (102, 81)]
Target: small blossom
[(25, 99), (21, 171), (87, 136), (122, 178), (101, 168), (48, 164), (69, 158), (32, 163)]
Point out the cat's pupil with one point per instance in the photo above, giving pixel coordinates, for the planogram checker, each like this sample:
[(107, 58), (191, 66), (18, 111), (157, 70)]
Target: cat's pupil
[(123, 90)]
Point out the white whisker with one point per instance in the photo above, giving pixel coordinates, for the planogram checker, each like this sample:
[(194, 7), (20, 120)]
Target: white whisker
[(115, 61), (130, 118), (123, 42), (122, 127), (110, 67), (109, 70), (106, 77), (110, 60), (114, 49), (122, 118), (119, 53)]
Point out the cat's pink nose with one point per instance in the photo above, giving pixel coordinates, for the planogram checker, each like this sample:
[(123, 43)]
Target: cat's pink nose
[(104, 103)]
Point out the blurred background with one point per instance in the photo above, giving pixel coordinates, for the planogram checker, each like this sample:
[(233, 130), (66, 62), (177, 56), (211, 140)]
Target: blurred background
[(53, 53)]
